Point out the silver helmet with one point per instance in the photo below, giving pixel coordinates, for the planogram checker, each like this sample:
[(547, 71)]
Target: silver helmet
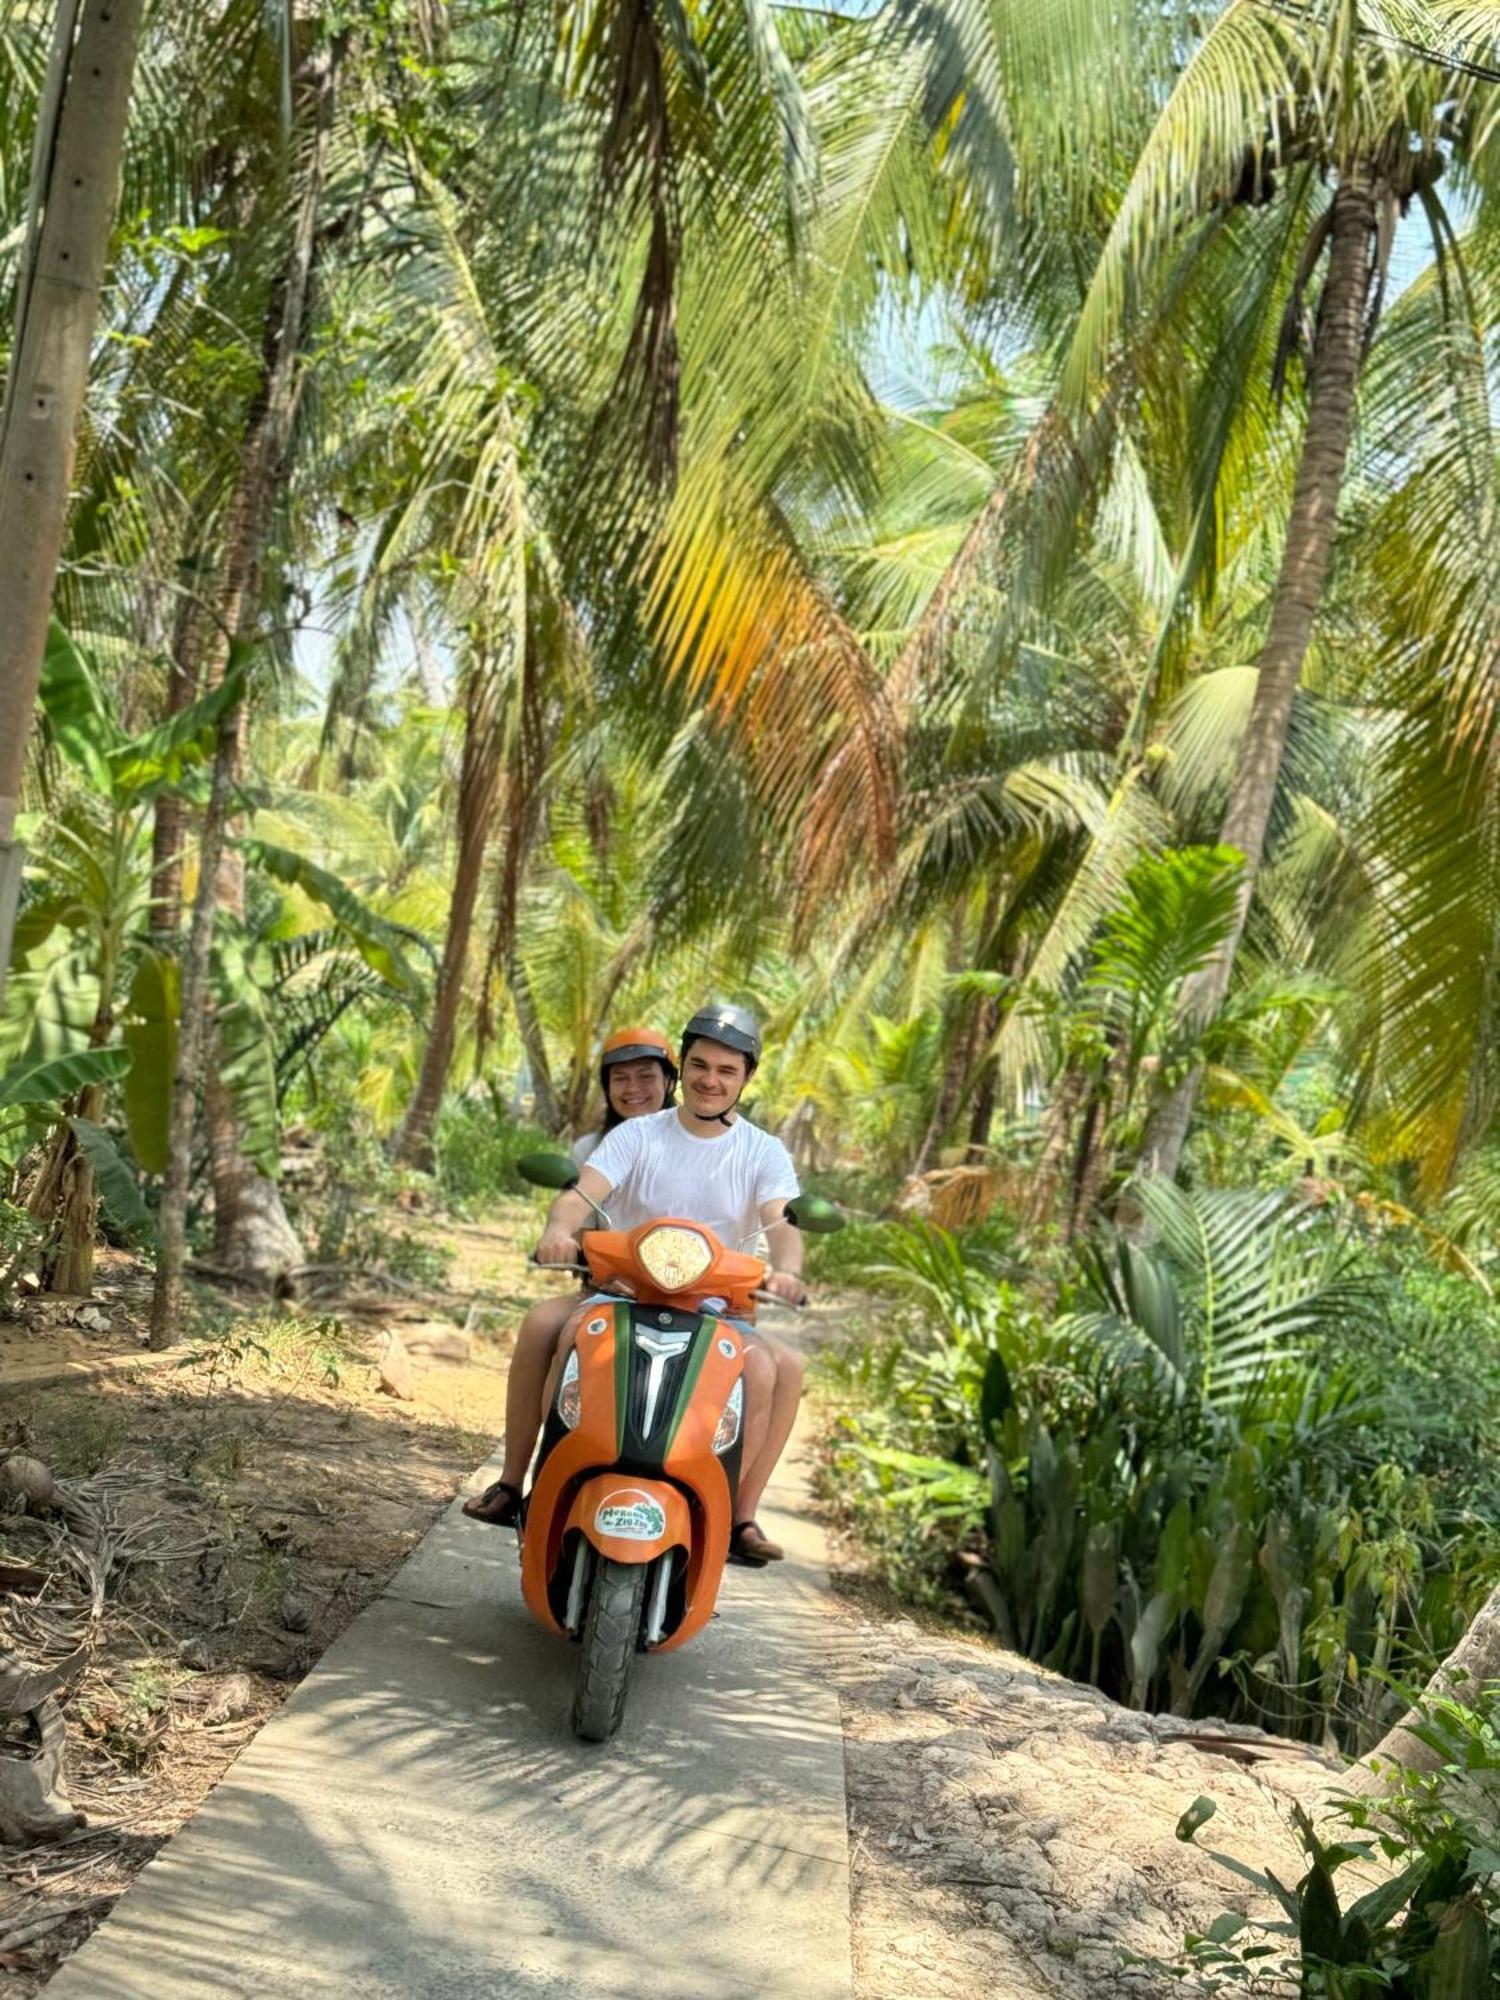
[(736, 1027)]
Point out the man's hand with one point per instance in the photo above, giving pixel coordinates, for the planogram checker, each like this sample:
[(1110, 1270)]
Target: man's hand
[(785, 1285), (558, 1246)]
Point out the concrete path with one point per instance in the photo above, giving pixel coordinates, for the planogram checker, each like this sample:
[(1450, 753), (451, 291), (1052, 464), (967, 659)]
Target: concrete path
[(418, 1823)]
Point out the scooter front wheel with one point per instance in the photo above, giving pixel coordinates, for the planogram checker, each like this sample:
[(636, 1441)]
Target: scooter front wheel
[(611, 1629)]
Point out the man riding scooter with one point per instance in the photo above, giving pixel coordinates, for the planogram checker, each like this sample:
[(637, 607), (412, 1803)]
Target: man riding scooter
[(705, 1162)]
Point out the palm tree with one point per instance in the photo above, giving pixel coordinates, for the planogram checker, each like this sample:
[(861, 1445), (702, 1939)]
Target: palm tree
[(1272, 103), (707, 151), (252, 1237), (1292, 140)]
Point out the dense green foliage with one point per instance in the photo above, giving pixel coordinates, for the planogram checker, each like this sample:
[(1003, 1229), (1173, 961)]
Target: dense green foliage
[(1228, 1473)]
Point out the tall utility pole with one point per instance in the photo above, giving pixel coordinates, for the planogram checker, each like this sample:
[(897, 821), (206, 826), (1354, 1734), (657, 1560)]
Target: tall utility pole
[(74, 188)]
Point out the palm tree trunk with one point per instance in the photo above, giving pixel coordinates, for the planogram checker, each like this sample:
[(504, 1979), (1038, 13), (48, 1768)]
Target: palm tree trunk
[(956, 1068), (1333, 380), (982, 1113), (170, 822), (1069, 1100), (253, 1240), (478, 788), (74, 187), (252, 1236), (171, 1219)]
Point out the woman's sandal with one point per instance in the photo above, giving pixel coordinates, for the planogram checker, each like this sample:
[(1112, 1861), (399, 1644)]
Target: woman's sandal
[(501, 1505), (750, 1546)]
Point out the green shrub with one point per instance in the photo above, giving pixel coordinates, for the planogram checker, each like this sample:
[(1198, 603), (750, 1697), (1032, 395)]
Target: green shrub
[(477, 1152), (1430, 1930), (876, 1253), (848, 1259), (1439, 1348)]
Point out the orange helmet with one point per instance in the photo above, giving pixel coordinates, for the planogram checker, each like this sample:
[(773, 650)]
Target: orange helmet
[(633, 1044)]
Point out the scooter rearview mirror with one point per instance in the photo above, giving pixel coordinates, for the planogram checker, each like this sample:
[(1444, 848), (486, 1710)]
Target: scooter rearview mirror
[(548, 1170), (814, 1214)]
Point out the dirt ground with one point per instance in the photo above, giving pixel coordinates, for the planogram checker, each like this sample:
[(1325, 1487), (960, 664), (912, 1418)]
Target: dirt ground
[(268, 1488), (1013, 1835)]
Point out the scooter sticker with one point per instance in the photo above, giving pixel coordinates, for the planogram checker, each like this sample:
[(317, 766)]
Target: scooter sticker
[(596, 1325), (728, 1349), (631, 1516)]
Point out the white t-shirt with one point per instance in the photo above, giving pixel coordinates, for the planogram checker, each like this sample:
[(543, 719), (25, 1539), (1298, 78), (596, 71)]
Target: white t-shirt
[(656, 1167), (582, 1149)]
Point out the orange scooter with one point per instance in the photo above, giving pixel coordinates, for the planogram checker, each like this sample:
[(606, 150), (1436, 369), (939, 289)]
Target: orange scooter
[(631, 1502)]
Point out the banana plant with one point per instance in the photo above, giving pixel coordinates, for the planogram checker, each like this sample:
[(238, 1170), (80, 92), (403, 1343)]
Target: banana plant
[(89, 982), (83, 972)]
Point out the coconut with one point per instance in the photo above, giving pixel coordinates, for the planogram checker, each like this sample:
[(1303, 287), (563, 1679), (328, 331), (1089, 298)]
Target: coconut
[(28, 1478)]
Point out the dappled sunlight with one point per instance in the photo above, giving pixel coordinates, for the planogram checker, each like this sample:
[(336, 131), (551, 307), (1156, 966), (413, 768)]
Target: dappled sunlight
[(419, 1814)]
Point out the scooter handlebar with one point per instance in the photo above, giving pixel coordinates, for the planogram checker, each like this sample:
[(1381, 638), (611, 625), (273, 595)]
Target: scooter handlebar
[(765, 1298)]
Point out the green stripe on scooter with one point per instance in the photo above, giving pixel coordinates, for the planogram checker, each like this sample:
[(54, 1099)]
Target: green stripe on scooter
[(690, 1378), (622, 1375)]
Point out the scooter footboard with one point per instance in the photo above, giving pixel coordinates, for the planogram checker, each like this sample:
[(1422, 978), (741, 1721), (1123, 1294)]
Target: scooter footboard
[(631, 1520)]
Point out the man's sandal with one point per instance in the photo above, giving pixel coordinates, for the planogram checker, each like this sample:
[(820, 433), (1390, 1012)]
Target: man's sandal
[(748, 1545), (501, 1505)]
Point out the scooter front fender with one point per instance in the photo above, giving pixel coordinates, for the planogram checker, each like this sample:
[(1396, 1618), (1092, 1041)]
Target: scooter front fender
[(631, 1520)]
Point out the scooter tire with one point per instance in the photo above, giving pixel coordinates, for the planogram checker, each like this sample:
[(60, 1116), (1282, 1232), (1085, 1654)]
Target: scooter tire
[(611, 1628)]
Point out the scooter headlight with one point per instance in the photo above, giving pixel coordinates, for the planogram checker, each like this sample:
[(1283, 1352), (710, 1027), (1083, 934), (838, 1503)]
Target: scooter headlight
[(673, 1256), (570, 1393), (731, 1417)]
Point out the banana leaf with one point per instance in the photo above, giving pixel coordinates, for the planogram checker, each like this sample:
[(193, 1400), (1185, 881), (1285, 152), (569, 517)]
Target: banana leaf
[(51, 1012), (112, 1176), (49, 1080), (377, 941), (36, 922), (162, 756), (150, 1034), (77, 713)]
